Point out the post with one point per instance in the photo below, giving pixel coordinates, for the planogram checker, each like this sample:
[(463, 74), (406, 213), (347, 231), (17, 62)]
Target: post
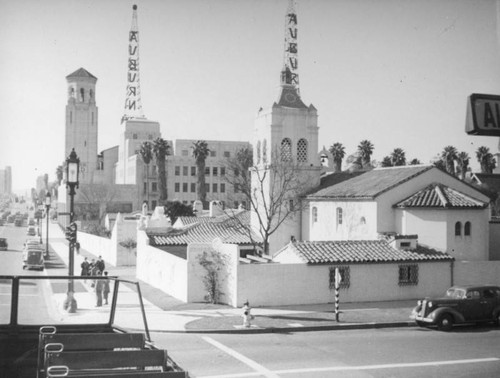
[(338, 278), (47, 208)]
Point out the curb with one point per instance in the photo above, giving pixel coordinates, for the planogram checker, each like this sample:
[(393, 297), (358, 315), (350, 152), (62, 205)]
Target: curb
[(333, 327)]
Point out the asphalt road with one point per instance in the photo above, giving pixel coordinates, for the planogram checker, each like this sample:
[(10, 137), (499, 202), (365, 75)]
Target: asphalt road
[(393, 352)]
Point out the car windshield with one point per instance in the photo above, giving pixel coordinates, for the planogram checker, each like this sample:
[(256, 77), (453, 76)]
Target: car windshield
[(455, 293)]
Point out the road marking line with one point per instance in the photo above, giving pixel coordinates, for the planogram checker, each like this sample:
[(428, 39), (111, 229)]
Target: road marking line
[(355, 368), (261, 370)]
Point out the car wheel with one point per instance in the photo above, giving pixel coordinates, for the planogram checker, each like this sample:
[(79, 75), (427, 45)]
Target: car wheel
[(445, 322)]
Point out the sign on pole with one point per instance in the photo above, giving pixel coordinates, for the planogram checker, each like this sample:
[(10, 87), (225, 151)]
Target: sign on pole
[(483, 115)]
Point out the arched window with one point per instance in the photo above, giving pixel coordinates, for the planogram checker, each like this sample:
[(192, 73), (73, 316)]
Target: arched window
[(362, 220), (286, 149), (302, 150), (91, 93), (82, 94), (314, 214), (467, 229), (339, 216), (458, 229)]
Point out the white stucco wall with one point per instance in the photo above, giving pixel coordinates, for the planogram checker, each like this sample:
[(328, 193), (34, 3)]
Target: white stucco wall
[(161, 269), (477, 272), (98, 245), (352, 227)]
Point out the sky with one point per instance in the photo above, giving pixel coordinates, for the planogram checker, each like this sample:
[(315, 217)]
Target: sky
[(397, 73)]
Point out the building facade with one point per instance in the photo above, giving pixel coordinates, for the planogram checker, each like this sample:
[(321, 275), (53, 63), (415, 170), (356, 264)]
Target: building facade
[(6, 181)]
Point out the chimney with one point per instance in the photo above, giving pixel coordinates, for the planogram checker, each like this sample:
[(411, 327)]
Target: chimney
[(216, 208), (197, 208)]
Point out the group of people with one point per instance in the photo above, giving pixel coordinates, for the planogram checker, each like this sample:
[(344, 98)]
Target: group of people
[(95, 269)]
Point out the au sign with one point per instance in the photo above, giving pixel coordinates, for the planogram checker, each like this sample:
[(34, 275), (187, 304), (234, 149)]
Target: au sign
[(483, 115)]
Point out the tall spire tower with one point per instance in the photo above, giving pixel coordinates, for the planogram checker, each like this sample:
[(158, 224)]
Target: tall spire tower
[(290, 72), (133, 105)]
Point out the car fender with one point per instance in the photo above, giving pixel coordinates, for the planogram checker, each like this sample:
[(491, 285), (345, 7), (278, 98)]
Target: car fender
[(459, 318), (496, 312)]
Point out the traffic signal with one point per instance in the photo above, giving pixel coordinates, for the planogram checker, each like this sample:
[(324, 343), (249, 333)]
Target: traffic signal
[(71, 232)]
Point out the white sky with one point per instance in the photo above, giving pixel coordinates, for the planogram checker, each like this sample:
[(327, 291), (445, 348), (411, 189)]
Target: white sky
[(397, 73)]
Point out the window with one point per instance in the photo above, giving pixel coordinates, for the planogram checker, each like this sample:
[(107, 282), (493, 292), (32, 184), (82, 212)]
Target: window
[(286, 149), (345, 277), (154, 187), (339, 216), (408, 274), (244, 204), (207, 187), (134, 136), (145, 188), (227, 154), (82, 94), (150, 137), (185, 153), (207, 171), (215, 171), (214, 188), (314, 214), (223, 188), (362, 220), (193, 171), (302, 151), (458, 229), (154, 169), (153, 204), (222, 171), (236, 188), (185, 171), (405, 245), (184, 187), (177, 187), (212, 153), (467, 229), (177, 170), (193, 187), (235, 204)]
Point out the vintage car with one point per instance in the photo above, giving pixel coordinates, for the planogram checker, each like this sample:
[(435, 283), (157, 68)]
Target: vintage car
[(33, 258), (31, 230), (460, 305), (3, 244)]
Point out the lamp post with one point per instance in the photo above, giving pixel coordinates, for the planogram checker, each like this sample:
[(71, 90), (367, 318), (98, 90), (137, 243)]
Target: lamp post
[(72, 171), (48, 199)]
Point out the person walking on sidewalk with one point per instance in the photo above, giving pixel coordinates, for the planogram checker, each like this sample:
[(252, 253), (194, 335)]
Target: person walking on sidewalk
[(99, 286), (100, 264), (85, 268), (105, 290)]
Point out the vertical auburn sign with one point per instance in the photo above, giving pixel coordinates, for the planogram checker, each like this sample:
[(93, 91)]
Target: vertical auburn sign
[(483, 115)]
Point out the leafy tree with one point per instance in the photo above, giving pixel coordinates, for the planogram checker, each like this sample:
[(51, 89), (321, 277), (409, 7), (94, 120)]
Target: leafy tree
[(365, 150), (97, 197), (146, 152), (176, 209), (354, 162), (485, 159), (414, 161), (338, 152), (462, 164), (200, 153), (448, 156), (161, 149), (214, 264), (59, 174), (386, 162), (398, 157)]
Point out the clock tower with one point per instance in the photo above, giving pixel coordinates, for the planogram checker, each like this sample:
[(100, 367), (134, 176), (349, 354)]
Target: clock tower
[(286, 133)]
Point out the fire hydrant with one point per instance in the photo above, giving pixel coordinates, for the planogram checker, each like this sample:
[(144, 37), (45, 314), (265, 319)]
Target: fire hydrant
[(247, 315)]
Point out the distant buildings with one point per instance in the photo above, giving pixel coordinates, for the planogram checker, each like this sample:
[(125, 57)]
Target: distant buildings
[(6, 181)]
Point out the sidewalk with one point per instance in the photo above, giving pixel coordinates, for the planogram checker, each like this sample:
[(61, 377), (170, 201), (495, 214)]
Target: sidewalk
[(167, 314)]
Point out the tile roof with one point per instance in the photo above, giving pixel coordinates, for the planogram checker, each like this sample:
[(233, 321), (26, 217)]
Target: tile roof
[(441, 196), (289, 98), (360, 251), (81, 72), (228, 232), (242, 215), (371, 183)]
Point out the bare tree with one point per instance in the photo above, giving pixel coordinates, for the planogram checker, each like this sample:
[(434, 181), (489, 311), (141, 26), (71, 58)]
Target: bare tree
[(98, 194), (272, 192)]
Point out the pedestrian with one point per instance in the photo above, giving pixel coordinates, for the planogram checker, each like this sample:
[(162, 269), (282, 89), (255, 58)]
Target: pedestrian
[(100, 264), (92, 268), (77, 246), (99, 286), (105, 290), (85, 267), (247, 315)]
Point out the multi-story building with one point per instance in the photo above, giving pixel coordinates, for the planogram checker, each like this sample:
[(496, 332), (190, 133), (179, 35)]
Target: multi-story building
[(6, 180)]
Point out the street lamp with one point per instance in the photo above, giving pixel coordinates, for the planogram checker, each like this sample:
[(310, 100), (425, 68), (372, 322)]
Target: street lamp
[(47, 208), (72, 171)]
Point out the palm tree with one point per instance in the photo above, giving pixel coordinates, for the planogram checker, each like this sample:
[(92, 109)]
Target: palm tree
[(338, 152), (161, 149), (146, 152), (200, 153), (448, 156), (462, 164), (398, 157), (386, 162), (485, 159), (365, 150)]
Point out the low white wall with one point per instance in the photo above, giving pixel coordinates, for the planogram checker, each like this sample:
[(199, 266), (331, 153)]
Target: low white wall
[(287, 284), (161, 269), (477, 272), (98, 245)]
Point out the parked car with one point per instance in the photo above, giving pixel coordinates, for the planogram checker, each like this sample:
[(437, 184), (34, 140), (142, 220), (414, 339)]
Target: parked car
[(460, 305), (3, 244), (31, 231)]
